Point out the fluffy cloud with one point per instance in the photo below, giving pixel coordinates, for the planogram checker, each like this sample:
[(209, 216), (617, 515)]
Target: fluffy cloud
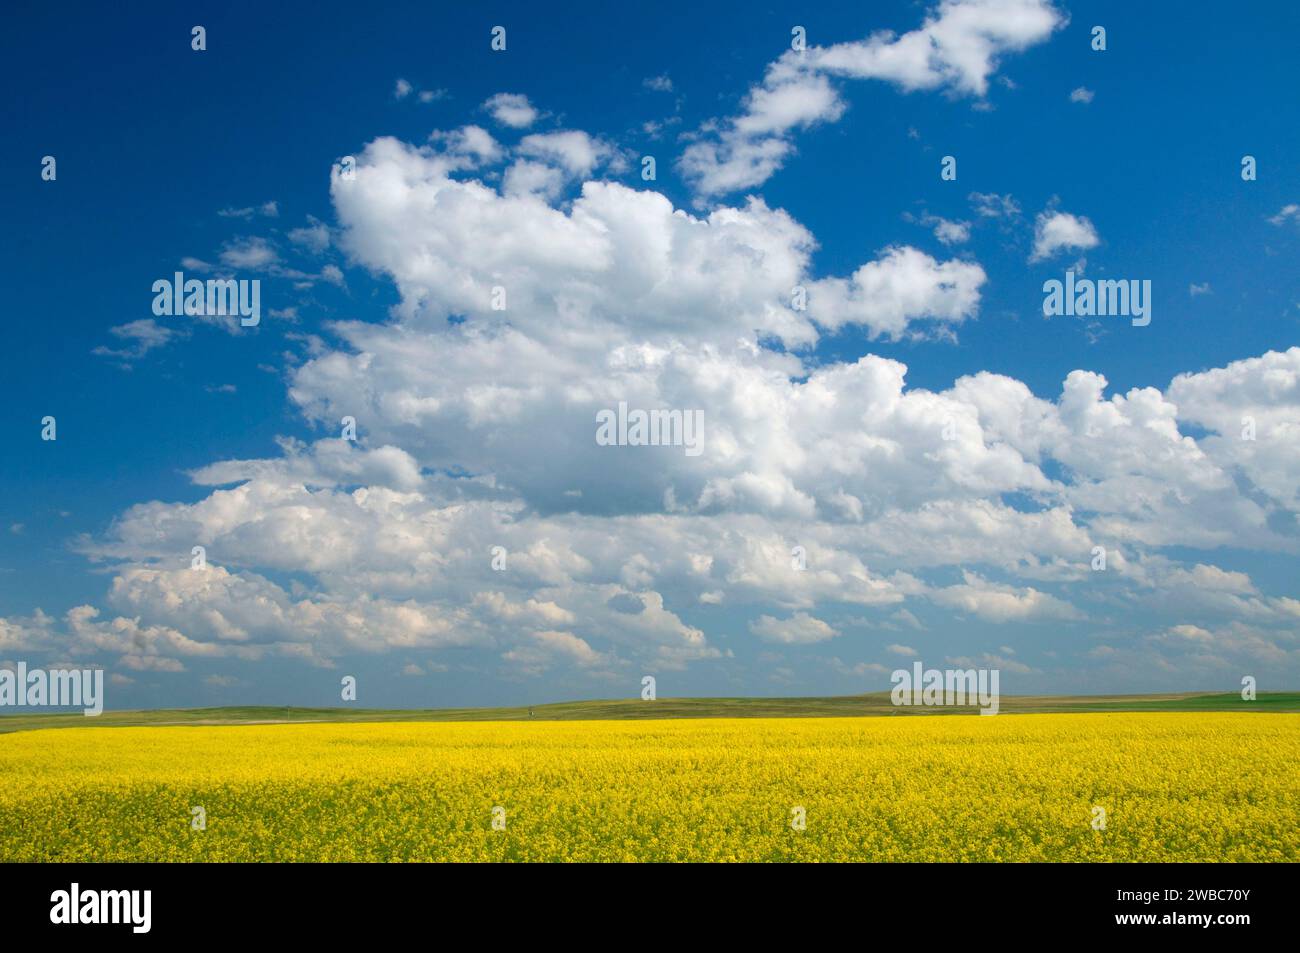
[(1252, 408), (512, 110), (824, 486), (904, 285), (957, 48), (575, 151), (549, 161), (314, 236), (949, 232), (619, 264), (799, 629), (139, 337), (1288, 213), (621, 298), (533, 658), (402, 554), (252, 254), (1002, 603), (1057, 231)]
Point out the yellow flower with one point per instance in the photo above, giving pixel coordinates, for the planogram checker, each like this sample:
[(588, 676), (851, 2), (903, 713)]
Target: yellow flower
[(1172, 787)]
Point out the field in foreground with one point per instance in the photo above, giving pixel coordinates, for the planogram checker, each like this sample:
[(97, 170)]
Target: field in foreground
[(1200, 787)]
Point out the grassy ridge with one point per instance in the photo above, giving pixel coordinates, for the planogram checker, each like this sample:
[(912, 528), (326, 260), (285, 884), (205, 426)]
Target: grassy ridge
[(875, 704)]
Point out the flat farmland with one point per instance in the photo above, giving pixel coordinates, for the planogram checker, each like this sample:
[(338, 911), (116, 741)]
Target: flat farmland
[(1097, 786)]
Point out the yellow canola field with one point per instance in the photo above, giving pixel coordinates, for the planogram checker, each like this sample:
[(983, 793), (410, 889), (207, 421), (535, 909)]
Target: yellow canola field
[(1199, 787)]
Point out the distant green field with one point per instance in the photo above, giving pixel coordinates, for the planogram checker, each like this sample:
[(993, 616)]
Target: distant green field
[(876, 704)]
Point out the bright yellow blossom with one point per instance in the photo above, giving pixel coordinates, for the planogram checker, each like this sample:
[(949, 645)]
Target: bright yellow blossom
[(1202, 786)]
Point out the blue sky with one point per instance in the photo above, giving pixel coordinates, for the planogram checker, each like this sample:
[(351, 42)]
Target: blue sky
[(225, 156)]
